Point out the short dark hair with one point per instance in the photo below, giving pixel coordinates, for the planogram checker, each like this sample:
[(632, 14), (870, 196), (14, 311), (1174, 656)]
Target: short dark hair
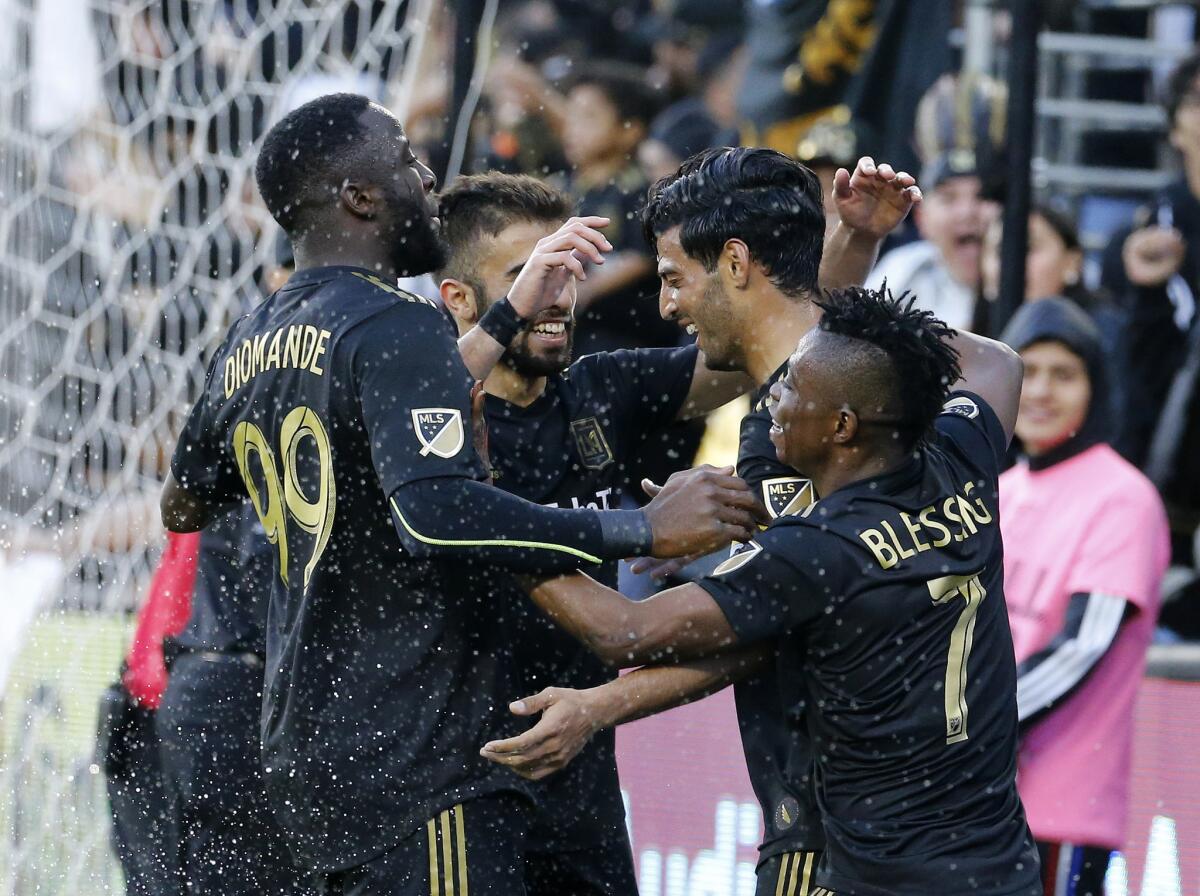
[(1179, 85), (307, 155), (762, 197), (926, 365), (479, 205), (623, 85)]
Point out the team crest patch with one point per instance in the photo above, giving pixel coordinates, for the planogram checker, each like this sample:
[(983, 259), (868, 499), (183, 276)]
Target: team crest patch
[(787, 495), (593, 447), (740, 559), (786, 813), (439, 430), (961, 406)]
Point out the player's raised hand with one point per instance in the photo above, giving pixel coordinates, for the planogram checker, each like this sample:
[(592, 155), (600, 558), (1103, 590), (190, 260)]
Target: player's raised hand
[(875, 198), (566, 725), (555, 259), (700, 510)]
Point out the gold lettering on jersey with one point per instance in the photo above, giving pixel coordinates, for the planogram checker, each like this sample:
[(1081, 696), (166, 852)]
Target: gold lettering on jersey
[(294, 347), (956, 518)]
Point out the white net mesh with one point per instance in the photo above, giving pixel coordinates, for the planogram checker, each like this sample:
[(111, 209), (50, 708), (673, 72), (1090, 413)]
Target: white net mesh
[(130, 236)]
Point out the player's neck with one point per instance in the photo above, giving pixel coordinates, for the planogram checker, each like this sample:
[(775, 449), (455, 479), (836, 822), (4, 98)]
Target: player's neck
[(854, 465), (513, 387), (319, 253), (779, 323)]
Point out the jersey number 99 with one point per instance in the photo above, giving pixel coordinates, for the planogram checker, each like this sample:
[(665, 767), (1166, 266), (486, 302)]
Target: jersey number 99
[(283, 498)]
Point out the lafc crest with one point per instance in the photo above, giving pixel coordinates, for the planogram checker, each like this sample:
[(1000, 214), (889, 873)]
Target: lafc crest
[(439, 430), (593, 448), (787, 495)]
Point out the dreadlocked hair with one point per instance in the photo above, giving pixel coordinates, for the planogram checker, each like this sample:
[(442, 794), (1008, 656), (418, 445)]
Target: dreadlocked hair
[(915, 341)]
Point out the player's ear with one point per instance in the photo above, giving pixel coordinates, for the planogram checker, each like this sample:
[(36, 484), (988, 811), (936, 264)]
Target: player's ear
[(460, 299), (358, 199), (847, 426), (735, 263)]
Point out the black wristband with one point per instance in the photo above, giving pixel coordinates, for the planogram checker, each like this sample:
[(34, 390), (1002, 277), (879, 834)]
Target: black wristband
[(502, 322), (627, 533)]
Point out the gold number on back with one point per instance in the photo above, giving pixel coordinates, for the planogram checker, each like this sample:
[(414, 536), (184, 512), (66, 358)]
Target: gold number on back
[(314, 517), (248, 441), (286, 496), (944, 591)]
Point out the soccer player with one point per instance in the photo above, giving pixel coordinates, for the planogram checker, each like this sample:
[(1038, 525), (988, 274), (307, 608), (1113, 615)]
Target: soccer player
[(566, 435), (739, 235), (337, 406), (886, 595)]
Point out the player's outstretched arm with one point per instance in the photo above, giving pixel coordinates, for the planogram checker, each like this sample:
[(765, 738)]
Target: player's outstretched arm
[(871, 202), (555, 259), (697, 510), (570, 717), (994, 372), (678, 623)]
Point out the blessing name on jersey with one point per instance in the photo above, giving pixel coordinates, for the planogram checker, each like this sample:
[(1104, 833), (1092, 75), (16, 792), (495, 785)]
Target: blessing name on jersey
[(958, 518), (298, 346)]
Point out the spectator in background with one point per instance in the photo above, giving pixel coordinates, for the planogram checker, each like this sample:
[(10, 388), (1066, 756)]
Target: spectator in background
[(607, 113), (942, 268), (700, 122), (1053, 267), (1155, 272), (1086, 548)]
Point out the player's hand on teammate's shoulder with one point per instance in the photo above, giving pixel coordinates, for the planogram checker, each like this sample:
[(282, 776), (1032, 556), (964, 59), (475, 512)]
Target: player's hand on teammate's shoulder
[(874, 199), (555, 259), (700, 510), (566, 725)]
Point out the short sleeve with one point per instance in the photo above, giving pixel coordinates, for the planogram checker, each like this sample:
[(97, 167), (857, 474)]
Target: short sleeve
[(414, 390), (760, 591), (1125, 549), (647, 386), (201, 465), (968, 422)]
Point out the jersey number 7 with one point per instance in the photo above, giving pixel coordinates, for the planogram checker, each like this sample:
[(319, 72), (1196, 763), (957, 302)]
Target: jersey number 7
[(944, 591), (284, 497)]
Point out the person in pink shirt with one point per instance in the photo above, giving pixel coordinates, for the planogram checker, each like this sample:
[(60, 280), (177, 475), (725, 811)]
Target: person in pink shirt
[(1085, 548)]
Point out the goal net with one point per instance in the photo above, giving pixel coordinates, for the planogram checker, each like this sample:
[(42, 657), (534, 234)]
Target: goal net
[(131, 235)]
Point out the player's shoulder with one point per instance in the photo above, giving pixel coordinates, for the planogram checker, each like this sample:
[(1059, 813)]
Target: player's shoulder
[(968, 424)]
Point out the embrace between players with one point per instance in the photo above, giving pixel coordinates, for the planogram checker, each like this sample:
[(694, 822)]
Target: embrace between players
[(864, 629)]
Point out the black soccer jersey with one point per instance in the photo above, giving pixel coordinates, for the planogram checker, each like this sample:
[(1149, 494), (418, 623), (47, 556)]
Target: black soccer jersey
[(890, 596), (775, 740), (385, 672), (234, 568), (572, 448)]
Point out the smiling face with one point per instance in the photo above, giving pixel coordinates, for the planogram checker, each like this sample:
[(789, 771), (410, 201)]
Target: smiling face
[(696, 299), (1055, 396), (543, 347), (803, 421)]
